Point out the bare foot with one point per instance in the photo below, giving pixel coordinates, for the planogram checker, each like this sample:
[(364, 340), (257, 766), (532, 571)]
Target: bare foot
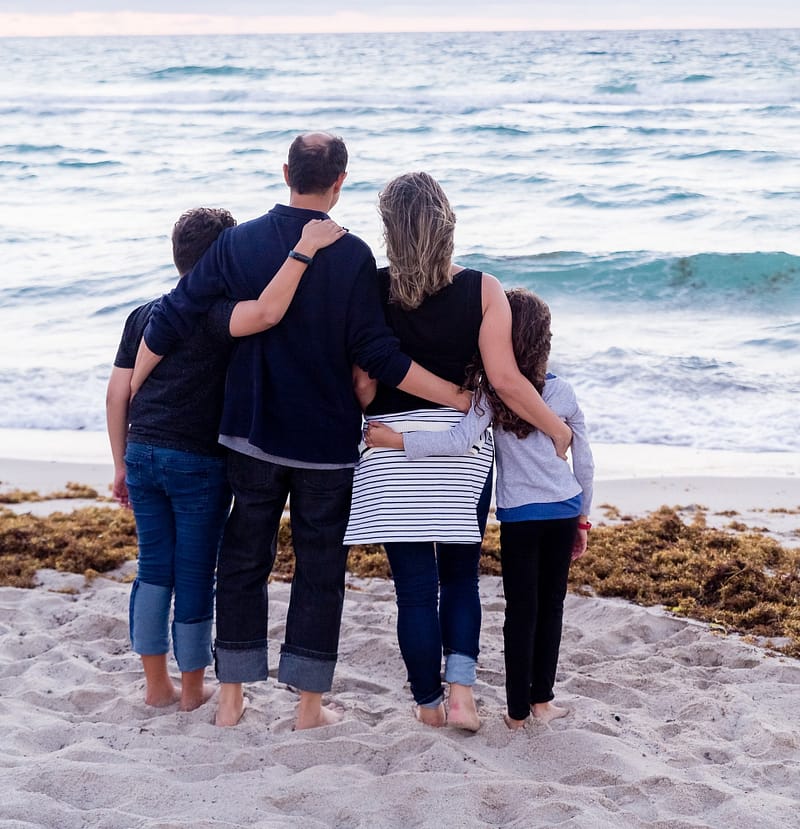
[(162, 695), (192, 699), (546, 711), (308, 719), (461, 710), (231, 706), (515, 725), (159, 688), (434, 717)]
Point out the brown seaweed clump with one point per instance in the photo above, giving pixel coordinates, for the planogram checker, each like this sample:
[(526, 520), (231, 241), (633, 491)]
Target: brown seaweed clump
[(739, 581), (90, 540), (71, 490)]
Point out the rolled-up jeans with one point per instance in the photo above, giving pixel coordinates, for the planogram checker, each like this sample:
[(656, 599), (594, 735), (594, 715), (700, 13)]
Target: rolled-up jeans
[(180, 501), (319, 504)]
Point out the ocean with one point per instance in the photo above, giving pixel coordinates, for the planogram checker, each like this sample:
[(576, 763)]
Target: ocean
[(646, 184)]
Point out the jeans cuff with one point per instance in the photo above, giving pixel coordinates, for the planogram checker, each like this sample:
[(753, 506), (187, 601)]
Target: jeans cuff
[(434, 704), (149, 618), (192, 642), (460, 669), (247, 664), (306, 673)]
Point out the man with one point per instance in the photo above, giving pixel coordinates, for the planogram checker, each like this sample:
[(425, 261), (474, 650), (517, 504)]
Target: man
[(292, 423)]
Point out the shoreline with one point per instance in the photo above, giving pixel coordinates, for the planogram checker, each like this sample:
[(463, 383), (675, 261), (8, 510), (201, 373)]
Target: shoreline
[(759, 490), (613, 461)]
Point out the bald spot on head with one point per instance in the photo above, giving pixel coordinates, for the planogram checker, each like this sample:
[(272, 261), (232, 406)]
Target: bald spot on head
[(316, 160)]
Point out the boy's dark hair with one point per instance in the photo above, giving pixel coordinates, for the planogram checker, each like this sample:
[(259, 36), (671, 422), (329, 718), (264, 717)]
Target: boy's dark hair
[(315, 165), (194, 233)]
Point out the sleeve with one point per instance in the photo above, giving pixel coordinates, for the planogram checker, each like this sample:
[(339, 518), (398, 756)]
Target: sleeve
[(129, 342), (219, 320), (457, 440), (176, 315), (582, 459), (370, 342)]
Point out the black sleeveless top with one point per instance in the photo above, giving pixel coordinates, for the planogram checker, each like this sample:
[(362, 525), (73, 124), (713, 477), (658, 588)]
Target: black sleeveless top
[(441, 335)]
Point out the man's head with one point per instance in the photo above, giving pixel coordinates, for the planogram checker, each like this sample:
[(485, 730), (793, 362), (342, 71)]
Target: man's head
[(317, 161), (194, 233)]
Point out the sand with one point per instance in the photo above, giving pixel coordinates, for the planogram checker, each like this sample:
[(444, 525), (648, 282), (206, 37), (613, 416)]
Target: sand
[(672, 724)]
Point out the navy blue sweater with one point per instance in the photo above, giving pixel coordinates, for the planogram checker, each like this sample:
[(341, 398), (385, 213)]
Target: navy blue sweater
[(289, 390)]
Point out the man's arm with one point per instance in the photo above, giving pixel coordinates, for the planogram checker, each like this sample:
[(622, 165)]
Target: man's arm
[(364, 387), (117, 402), (374, 348), (422, 383)]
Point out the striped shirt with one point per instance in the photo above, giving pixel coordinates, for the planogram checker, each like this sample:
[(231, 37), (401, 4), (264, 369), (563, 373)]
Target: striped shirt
[(428, 499)]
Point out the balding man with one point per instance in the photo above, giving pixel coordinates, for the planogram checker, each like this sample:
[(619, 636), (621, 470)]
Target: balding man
[(292, 425)]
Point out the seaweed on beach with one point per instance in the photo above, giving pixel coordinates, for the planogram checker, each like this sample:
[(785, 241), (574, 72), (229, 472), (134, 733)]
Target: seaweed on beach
[(90, 541), (71, 490), (737, 580)]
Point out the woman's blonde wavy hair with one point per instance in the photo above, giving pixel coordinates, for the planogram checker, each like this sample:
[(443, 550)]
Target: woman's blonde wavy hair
[(418, 227)]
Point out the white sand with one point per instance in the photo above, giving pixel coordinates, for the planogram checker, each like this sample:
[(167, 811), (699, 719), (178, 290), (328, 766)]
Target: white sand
[(672, 725)]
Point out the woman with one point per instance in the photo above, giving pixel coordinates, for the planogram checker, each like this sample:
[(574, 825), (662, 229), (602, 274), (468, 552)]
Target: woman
[(430, 514)]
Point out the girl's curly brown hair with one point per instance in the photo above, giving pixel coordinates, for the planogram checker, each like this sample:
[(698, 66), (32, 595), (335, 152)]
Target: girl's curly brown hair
[(530, 338)]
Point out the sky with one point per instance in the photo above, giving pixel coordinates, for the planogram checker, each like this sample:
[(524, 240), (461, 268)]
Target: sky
[(131, 17)]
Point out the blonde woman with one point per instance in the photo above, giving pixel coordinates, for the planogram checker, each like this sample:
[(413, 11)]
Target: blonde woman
[(430, 513)]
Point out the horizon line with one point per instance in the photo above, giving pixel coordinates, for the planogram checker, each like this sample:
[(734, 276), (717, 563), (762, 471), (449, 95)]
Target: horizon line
[(147, 24)]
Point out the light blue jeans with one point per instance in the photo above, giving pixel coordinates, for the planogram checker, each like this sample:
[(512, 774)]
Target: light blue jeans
[(180, 501)]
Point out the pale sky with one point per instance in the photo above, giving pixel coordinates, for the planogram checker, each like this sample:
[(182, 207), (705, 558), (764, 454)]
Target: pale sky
[(104, 17)]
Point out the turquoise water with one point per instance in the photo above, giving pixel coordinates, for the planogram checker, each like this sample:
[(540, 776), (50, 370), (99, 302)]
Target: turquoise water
[(644, 183)]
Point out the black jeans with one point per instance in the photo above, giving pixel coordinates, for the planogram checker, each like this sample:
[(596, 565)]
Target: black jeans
[(535, 556), (319, 507)]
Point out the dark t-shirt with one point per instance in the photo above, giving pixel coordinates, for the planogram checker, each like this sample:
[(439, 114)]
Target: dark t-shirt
[(180, 404), (441, 335)]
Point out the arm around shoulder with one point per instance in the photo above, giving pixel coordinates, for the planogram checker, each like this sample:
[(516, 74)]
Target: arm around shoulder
[(497, 354)]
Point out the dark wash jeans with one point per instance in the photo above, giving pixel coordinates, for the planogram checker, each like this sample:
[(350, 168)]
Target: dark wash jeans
[(535, 557), (438, 604), (319, 508)]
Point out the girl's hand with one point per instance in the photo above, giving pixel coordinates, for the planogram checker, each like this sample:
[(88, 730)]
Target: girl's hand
[(380, 436), (579, 547), (317, 234)]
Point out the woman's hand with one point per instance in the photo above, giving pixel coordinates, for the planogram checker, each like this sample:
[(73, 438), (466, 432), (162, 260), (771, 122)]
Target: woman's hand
[(317, 234)]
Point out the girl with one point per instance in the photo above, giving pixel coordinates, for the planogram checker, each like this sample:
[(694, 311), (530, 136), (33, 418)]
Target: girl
[(542, 505)]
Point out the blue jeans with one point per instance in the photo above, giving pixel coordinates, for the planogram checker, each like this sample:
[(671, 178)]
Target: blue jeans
[(438, 609), (180, 501), (319, 508)]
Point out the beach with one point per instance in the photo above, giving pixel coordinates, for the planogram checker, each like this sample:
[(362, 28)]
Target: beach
[(672, 723)]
